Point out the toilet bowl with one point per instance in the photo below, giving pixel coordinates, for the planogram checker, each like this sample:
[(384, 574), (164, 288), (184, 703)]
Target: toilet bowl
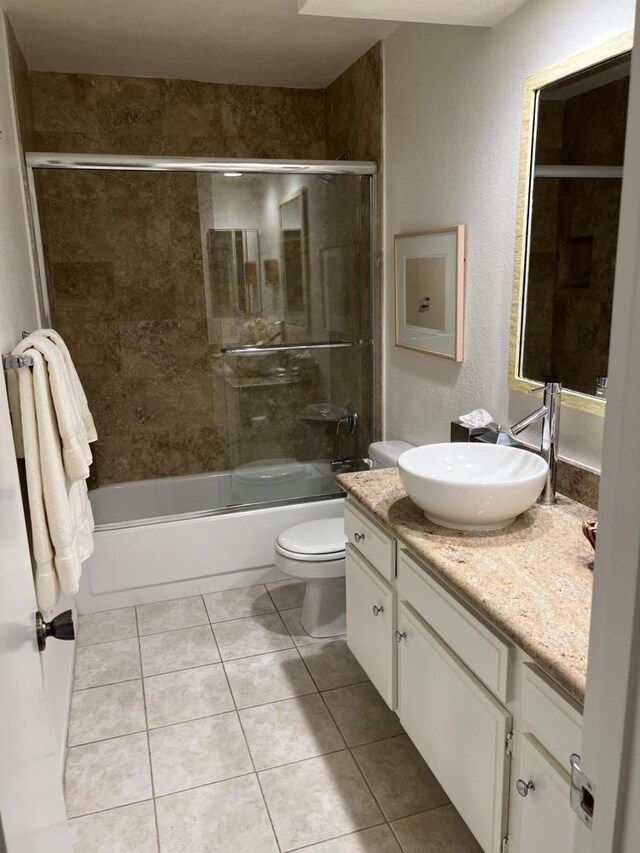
[(314, 552)]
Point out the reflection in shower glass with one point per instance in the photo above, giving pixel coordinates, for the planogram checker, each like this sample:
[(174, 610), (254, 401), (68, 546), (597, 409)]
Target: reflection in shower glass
[(198, 311)]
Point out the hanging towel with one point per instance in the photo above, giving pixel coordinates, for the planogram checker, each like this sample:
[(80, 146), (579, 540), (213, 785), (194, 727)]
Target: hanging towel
[(76, 452), (46, 581), (64, 531), (81, 398)]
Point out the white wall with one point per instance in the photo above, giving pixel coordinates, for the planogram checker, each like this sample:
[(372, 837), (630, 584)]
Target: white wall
[(453, 112), (18, 311)]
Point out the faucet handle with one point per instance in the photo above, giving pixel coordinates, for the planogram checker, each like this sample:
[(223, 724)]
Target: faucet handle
[(552, 383)]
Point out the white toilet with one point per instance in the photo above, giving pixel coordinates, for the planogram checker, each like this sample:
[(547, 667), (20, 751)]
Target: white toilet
[(314, 552)]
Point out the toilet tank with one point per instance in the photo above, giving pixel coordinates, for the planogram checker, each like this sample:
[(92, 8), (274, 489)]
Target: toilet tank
[(384, 454)]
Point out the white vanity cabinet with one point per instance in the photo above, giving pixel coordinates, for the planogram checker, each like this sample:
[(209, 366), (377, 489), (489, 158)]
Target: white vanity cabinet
[(371, 614), (459, 728), (496, 732), (547, 823)]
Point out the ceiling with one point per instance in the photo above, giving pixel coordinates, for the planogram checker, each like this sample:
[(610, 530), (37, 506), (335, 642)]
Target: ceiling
[(469, 13), (262, 42)]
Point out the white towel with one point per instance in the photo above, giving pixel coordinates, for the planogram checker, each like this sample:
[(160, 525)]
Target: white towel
[(65, 530), (76, 452), (81, 398), (46, 581)]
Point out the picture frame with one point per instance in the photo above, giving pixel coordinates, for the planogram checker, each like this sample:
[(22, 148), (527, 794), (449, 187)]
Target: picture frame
[(429, 291)]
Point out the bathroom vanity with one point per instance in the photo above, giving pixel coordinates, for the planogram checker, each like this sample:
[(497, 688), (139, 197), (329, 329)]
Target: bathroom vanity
[(479, 643)]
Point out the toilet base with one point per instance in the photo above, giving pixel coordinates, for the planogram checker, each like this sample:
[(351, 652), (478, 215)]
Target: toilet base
[(324, 608)]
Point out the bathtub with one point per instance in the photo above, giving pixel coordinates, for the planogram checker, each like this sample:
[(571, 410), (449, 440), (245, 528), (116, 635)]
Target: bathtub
[(177, 536)]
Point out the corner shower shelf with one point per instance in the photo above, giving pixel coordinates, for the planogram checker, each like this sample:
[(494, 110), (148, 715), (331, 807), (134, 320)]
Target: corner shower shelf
[(327, 412)]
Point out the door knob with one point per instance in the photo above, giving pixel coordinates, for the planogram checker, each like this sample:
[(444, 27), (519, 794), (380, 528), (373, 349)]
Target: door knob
[(523, 787), (61, 627)]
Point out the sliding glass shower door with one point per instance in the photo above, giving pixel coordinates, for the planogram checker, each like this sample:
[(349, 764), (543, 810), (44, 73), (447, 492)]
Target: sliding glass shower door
[(220, 324)]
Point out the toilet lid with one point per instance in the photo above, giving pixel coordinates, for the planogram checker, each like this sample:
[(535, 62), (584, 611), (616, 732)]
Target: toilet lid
[(322, 538)]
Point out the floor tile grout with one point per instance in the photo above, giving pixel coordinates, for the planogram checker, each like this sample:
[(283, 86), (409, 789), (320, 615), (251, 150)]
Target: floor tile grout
[(237, 710), (246, 741), (146, 718)]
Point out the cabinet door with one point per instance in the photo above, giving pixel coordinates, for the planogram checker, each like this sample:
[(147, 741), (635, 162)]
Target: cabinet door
[(370, 624), (459, 728), (547, 823)]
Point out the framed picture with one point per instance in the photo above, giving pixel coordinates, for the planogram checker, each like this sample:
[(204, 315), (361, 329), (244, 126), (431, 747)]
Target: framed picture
[(340, 289), (429, 273)]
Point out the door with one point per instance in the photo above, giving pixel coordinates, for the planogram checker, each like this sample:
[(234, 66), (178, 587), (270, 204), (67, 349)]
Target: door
[(547, 822), (458, 727), (611, 730), (32, 814), (370, 624)]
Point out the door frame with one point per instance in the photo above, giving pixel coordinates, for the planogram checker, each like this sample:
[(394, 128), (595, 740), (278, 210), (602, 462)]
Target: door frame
[(611, 733)]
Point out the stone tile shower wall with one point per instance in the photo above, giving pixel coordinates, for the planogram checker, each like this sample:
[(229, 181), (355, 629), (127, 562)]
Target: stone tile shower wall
[(124, 253), (125, 281), (354, 125)]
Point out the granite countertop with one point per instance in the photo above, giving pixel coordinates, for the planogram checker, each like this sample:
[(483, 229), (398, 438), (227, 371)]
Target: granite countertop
[(533, 580)]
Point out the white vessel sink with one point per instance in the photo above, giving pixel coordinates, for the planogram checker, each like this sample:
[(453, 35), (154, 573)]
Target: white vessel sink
[(472, 486)]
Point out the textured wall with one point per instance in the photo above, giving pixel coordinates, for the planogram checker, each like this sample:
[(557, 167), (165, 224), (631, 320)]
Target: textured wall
[(18, 307), (125, 265), (453, 112)]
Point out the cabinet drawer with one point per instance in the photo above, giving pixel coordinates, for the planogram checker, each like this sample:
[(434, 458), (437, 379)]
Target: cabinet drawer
[(486, 654), (370, 541), (555, 721), (547, 824), (371, 621), (458, 727)]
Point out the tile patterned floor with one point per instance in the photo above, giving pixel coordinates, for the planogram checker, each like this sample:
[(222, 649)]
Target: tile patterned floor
[(214, 723)]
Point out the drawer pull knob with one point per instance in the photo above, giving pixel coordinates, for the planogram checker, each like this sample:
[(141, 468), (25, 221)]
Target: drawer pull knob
[(377, 610), (523, 787), (358, 537), (399, 636)]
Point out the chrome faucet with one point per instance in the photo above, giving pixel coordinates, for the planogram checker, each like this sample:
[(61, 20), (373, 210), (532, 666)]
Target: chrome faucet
[(349, 419), (549, 414)]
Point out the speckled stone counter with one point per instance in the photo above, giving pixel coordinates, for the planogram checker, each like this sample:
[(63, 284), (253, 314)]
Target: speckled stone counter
[(532, 580)]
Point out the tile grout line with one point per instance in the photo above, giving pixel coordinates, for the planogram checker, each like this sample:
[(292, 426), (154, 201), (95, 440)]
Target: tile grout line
[(246, 741), (338, 837), (237, 711), (353, 758), (146, 718)]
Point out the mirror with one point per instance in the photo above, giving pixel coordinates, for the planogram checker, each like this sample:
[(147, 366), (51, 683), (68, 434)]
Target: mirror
[(234, 271), (569, 206), (295, 257)]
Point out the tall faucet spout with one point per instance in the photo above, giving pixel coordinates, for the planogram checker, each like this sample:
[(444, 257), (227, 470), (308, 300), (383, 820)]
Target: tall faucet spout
[(530, 420)]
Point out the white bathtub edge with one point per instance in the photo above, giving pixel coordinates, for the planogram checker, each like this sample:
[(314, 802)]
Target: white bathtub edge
[(182, 557)]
